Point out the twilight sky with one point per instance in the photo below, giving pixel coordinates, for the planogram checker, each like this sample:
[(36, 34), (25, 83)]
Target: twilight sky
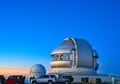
[(31, 29)]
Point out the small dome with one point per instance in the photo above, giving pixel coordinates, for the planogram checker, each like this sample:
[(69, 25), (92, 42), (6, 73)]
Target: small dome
[(37, 70)]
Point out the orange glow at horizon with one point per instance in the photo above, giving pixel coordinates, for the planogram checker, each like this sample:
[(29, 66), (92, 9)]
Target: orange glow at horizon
[(14, 71)]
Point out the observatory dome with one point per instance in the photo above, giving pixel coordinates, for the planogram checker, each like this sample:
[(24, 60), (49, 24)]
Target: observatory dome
[(37, 70), (74, 55)]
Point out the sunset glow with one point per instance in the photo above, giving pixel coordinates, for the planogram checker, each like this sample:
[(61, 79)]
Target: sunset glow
[(14, 71)]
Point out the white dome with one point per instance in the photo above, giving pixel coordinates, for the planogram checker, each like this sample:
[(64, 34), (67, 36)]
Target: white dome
[(37, 70)]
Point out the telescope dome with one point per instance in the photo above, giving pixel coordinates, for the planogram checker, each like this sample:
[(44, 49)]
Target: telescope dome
[(74, 55), (37, 70)]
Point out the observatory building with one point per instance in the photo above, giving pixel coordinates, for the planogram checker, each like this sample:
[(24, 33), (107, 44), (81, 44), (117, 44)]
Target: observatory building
[(37, 70), (76, 57)]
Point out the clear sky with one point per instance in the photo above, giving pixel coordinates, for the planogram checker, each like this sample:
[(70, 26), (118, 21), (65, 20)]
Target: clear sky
[(31, 29)]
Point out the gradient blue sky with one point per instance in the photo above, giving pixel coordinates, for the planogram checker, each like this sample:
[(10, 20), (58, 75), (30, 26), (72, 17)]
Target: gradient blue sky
[(31, 29)]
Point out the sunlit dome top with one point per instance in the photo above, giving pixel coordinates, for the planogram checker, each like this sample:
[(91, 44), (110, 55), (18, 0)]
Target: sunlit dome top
[(65, 47)]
